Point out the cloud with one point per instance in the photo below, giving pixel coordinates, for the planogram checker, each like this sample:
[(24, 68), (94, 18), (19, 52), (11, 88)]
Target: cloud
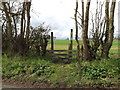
[(57, 14)]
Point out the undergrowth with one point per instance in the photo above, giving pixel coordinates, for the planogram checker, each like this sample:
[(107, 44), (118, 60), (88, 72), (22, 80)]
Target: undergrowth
[(96, 73)]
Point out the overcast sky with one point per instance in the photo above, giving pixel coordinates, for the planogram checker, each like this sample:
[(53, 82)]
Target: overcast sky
[(58, 13)]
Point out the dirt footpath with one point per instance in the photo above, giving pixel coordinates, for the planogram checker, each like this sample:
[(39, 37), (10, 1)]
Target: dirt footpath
[(7, 83)]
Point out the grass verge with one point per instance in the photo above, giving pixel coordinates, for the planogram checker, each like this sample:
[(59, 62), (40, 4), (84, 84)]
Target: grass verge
[(97, 73)]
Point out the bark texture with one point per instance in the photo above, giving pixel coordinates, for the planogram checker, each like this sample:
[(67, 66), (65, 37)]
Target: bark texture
[(109, 29), (85, 41)]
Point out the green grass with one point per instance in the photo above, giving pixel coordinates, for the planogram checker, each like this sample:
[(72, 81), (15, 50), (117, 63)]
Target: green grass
[(64, 44), (115, 44), (76, 74)]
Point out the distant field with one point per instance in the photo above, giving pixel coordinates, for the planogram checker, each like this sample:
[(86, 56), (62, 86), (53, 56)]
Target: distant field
[(63, 44)]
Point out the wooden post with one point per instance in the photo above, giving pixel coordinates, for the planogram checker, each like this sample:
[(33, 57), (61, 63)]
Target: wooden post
[(71, 44), (52, 42), (71, 39)]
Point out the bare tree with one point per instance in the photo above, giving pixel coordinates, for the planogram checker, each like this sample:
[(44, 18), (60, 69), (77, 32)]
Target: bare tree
[(97, 31), (85, 41), (28, 5), (109, 29), (76, 26), (14, 13), (8, 19), (103, 27)]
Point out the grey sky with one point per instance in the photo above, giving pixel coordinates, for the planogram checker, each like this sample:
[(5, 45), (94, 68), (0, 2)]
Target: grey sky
[(58, 13)]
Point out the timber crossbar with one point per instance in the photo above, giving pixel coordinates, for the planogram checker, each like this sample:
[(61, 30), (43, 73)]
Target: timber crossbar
[(62, 50), (63, 54)]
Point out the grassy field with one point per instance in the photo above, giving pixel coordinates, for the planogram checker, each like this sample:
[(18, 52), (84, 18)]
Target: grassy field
[(63, 45)]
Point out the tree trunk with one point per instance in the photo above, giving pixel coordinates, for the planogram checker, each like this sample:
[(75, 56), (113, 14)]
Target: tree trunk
[(22, 44), (82, 14), (107, 45), (22, 21), (107, 20), (85, 41), (76, 36), (15, 26), (28, 5), (82, 21), (9, 26), (44, 46)]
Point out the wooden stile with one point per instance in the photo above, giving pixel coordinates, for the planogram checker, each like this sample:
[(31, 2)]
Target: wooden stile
[(62, 54)]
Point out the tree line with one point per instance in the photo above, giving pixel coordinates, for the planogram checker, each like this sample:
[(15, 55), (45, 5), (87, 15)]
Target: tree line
[(19, 37), (102, 30)]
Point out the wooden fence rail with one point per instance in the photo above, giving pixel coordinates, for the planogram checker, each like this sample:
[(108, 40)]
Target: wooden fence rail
[(62, 50), (63, 54)]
